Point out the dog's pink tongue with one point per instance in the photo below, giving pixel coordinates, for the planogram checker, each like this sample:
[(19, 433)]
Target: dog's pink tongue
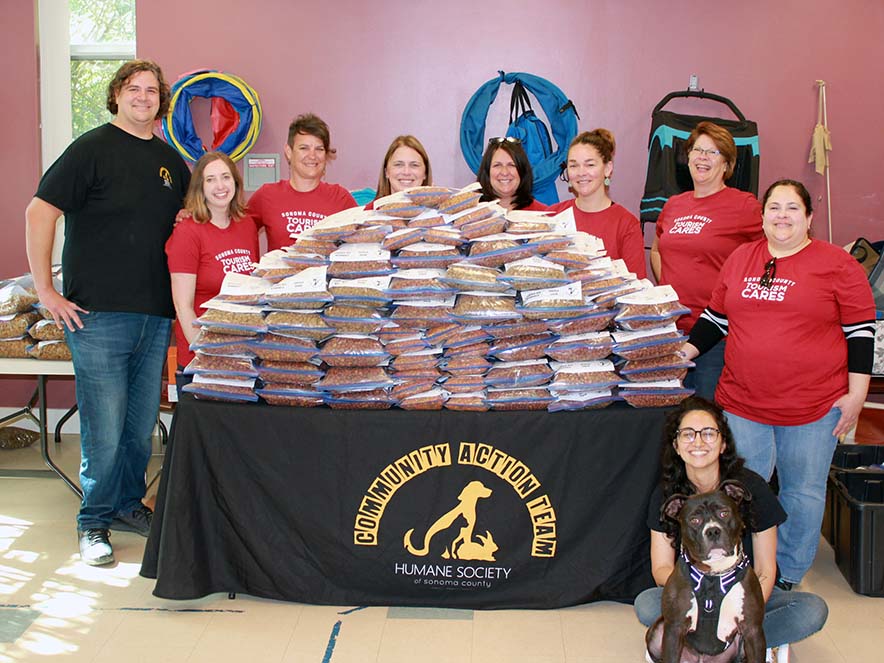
[(717, 554)]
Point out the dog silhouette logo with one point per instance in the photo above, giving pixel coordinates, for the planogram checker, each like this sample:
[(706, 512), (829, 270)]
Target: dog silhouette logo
[(464, 546)]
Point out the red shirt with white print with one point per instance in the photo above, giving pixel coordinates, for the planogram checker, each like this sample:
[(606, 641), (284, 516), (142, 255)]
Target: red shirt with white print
[(694, 238), (785, 361), (617, 227), (210, 253), (284, 212)]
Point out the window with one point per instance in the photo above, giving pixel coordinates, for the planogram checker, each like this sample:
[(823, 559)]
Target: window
[(102, 37)]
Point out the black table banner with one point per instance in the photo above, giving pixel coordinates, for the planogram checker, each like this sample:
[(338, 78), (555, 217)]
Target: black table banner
[(454, 509)]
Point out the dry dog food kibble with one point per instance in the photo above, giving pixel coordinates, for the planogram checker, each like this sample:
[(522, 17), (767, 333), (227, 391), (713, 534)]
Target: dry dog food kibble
[(467, 403), (402, 238), (651, 398), (480, 349), (279, 347), (14, 299), (401, 210), (596, 321), (428, 196), (343, 378), (447, 236), (426, 221), (581, 347), (15, 348), (310, 245), (521, 348), (459, 202), (221, 365), (289, 372), (520, 328), (282, 394), (368, 235), (519, 399), (375, 399), (410, 387), (221, 392), (431, 399), (353, 319), (308, 325), (353, 351), (485, 306), (230, 322), (50, 350), (668, 367), (461, 384), (19, 323), (466, 364)]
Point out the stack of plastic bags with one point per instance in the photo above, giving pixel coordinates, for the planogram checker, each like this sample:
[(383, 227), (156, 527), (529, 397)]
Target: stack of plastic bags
[(26, 328), (431, 300)]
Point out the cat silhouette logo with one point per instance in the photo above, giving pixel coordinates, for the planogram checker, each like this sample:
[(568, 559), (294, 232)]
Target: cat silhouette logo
[(464, 546)]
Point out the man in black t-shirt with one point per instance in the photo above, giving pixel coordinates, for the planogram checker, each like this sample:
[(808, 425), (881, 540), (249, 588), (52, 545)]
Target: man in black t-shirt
[(119, 187)]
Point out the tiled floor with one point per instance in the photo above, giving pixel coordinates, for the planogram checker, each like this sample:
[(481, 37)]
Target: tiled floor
[(53, 606)]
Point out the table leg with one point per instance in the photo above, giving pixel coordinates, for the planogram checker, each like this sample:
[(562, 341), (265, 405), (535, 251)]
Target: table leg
[(44, 438), (61, 422)]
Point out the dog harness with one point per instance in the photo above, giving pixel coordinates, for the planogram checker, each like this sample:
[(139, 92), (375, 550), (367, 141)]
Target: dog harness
[(709, 591)]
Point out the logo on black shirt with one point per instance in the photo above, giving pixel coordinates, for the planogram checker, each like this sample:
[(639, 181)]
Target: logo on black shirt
[(166, 177)]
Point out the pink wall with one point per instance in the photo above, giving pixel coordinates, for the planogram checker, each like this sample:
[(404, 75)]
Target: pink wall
[(20, 156), (375, 70)]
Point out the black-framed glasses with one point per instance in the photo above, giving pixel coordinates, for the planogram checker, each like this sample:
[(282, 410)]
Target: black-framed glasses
[(770, 273), (497, 140), (688, 435)]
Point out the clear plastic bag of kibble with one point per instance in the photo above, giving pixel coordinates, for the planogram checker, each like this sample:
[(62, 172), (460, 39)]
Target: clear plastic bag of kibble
[(569, 401), (583, 375), (485, 306), (653, 307), (519, 399), (519, 374), (664, 393)]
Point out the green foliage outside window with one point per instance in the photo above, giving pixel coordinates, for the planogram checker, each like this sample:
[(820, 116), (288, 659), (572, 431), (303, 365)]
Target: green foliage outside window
[(95, 25)]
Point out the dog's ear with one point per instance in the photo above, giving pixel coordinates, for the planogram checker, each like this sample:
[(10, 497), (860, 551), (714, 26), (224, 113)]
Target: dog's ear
[(736, 491), (672, 507)]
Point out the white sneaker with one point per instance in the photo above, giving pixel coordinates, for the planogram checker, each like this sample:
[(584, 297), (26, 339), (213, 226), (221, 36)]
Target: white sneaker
[(95, 547)]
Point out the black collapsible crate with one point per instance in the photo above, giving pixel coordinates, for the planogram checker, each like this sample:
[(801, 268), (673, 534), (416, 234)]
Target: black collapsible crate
[(858, 528), (847, 457)]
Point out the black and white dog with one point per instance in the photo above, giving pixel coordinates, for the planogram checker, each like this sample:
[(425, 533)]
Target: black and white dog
[(713, 607)]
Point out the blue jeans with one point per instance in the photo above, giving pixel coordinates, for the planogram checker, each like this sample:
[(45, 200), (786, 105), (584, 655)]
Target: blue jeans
[(802, 456), (118, 362), (703, 378), (788, 616)]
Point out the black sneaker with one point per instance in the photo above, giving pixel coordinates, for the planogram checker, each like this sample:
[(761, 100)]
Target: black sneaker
[(137, 521), (784, 584), (95, 547)]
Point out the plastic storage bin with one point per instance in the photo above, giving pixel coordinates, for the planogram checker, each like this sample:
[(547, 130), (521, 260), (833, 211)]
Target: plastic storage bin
[(847, 457), (858, 528)]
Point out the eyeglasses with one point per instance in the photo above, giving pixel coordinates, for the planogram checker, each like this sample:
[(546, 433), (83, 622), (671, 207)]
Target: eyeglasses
[(688, 435), (512, 140), (770, 273), (700, 152)]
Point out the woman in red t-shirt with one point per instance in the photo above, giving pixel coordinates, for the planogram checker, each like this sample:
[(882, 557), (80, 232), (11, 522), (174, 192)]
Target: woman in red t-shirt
[(505, 175), (214, 238), (589, 170), (697, 230), (799, 317)]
